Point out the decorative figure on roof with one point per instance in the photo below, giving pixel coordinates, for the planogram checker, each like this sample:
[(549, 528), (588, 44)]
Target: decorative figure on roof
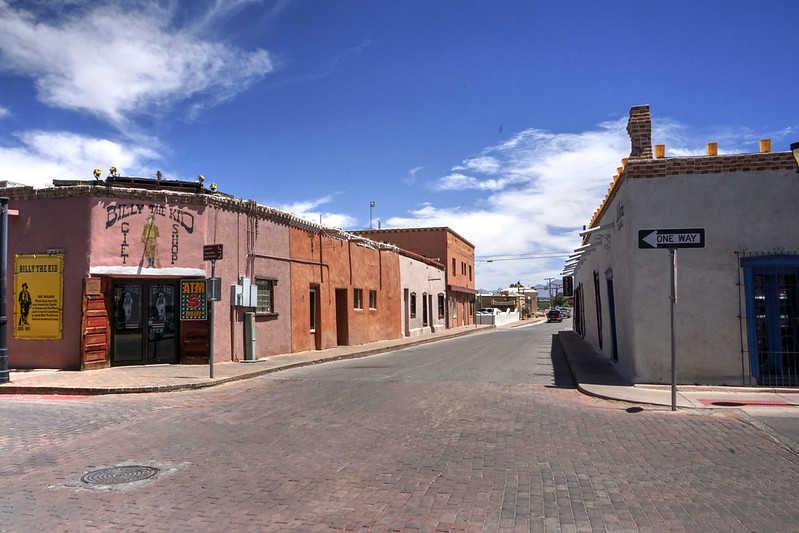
[(149, 237)]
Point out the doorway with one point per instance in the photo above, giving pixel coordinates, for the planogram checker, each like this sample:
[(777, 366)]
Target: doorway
[(612, 312), (144, 324), (342, 317), (772, 298)]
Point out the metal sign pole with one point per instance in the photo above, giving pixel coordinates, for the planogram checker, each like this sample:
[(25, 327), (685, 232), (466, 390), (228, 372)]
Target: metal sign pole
[(4, 376), (673, 254), (211, 318)]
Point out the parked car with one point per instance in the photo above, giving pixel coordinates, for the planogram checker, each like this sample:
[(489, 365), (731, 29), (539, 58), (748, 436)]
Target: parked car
[(567, 313), (553, 315), (488, 311)]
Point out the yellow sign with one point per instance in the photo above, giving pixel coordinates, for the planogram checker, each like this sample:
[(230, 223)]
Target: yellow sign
[(38, 296)]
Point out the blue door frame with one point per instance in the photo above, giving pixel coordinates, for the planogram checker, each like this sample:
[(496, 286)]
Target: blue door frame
[(772, 310)]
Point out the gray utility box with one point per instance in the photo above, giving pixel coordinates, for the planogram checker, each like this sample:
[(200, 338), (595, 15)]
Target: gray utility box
[(249, 337)]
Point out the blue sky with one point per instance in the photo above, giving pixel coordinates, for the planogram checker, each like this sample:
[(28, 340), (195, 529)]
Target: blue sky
[(502, 120)]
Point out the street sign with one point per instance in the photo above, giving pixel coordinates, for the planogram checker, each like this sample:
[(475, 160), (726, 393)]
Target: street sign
[(212, 252), (671, 238), (193, 300)]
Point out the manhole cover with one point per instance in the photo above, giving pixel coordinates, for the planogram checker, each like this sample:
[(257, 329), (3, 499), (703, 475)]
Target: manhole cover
[(119, 474)]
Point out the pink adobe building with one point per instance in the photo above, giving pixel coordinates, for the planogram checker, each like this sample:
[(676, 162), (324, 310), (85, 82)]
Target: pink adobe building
[(440, 244), (98, 269)]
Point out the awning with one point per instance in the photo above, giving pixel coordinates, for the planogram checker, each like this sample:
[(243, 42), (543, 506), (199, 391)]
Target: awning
[(458, 288)]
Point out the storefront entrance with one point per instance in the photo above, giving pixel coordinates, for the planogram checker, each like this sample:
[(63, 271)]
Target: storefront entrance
[(145, 322)]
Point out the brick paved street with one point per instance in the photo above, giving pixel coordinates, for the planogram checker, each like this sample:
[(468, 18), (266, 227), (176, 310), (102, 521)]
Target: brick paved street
[(396, 442)]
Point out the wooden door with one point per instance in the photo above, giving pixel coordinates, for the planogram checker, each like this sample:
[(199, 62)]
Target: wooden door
[(95, 328)]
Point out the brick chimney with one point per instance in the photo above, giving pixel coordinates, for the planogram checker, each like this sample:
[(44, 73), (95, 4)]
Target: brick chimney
[(639, 128)]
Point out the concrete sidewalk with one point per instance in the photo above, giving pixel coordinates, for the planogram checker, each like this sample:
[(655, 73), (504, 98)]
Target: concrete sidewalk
[(598, 377)]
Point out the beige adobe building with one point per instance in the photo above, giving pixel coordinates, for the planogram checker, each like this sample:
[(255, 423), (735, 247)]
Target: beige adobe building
[(737, 317)]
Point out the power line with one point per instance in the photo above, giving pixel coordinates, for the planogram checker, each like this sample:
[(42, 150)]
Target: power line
[(497, 258), (483, 257)]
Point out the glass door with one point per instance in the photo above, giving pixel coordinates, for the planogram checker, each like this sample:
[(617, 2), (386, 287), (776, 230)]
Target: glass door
[(161, 324), (145, 325), (128, 323)]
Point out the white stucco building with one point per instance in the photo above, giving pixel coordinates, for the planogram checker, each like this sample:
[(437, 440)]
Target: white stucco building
[(423, 294), (737, 297)]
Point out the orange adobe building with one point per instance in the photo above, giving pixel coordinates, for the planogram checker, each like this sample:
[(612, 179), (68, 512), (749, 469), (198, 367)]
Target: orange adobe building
[(440, 244), (345, 290)]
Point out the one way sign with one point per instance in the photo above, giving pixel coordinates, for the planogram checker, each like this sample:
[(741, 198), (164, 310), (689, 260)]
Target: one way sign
[(671, 238)]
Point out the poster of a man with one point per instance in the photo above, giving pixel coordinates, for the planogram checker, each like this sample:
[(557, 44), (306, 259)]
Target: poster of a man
[(39, 292), (160, 306), (24, 299), (127, 306), (149, 237)]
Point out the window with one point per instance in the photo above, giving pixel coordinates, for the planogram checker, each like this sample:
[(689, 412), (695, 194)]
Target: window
[(413, 305), (453, 266), (312, 307), (463, 268), (441, 303), (424, 309), (357, 300), (470, 272), (266, 295), (372, 299)]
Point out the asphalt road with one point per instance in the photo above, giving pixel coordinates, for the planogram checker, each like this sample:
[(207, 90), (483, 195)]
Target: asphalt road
[(480, 433)]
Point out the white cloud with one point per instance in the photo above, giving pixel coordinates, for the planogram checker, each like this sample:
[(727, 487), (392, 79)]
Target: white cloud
[(4, 112), (484, 164), (457, 182), (42, 156), (542, 187), (116, 60), (411, 179), (307, 210)]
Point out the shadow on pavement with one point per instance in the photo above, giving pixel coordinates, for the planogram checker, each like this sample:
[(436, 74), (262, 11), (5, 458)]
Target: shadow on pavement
[(562, 373)]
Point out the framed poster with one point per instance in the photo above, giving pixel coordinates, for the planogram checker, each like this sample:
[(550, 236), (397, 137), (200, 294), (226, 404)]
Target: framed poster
[(38, 296)]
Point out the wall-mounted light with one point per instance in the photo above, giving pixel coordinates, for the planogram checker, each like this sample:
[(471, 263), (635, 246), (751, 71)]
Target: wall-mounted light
[(795, 150)]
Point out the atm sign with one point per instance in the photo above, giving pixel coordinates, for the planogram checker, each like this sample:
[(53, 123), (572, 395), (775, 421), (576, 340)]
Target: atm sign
[(193, 302)]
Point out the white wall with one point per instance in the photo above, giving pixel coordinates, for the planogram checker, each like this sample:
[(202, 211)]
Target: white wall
[(753, 211), (499, 319), (421, 278)]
